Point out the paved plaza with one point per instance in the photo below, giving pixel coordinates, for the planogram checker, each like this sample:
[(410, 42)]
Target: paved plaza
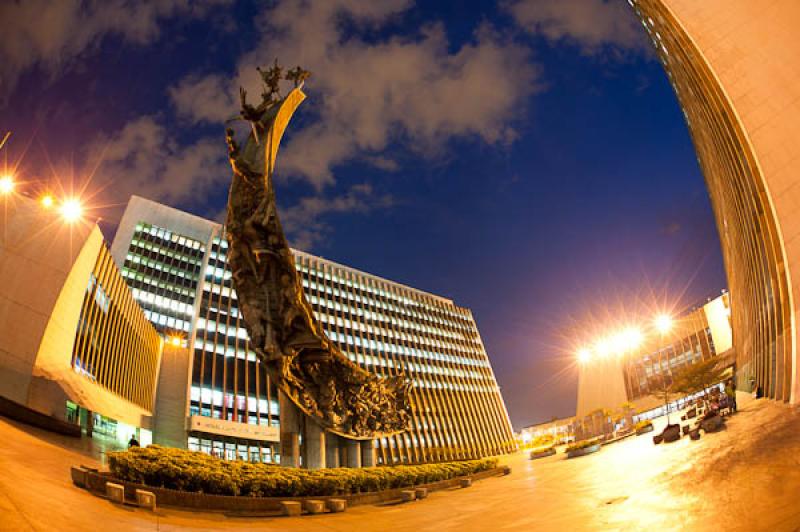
[(744, 478)]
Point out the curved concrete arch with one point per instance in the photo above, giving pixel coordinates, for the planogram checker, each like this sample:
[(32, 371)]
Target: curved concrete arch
[(735, 68)]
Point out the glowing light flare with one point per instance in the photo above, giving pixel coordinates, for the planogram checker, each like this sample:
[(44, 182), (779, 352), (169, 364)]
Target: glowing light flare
[(603, 348), (176, 340), (71, 210), (584, 356), (6, 184), (632, 338), (663, 323), (47, 201)]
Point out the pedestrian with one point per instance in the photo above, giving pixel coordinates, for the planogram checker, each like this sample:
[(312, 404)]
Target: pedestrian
[(730, 391), (133, 442)]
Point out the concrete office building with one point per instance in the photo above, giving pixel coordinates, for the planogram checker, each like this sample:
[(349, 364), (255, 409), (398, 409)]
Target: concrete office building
[(734, 67), (176, 266), (74, 345), (610, 380)]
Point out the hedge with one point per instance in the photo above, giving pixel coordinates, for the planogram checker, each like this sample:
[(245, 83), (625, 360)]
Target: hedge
[(582, 445), (195, 471), (642, 424)]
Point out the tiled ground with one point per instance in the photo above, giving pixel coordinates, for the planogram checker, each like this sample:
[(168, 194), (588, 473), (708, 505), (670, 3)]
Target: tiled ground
[(744, 478)]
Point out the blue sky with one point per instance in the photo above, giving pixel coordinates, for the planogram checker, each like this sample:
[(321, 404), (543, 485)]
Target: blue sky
[(526, 158)]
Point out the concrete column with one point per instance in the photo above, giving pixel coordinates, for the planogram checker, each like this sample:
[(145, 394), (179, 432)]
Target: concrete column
[(332, 450), (368, 455), (290, 432), (315, 448), (353, 453)]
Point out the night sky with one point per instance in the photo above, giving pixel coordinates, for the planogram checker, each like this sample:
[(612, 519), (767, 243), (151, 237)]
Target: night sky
[(526, 158)]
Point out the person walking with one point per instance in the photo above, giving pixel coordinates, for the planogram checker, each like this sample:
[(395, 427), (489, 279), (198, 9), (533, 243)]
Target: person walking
[(133, 442), (730, 391)]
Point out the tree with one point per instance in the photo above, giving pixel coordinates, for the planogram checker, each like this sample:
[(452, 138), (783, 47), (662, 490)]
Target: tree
[(662, 386), (698, 377)]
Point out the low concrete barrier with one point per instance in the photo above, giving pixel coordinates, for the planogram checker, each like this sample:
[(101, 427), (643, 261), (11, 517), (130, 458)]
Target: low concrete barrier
[(422, 493), (408, 495), (115, 492), (24, 414), (465, 482), (314, 506), (336, 505), (146, 499), (291, 508)]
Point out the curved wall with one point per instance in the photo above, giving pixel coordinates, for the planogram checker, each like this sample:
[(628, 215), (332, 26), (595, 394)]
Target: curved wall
[(735, 69)]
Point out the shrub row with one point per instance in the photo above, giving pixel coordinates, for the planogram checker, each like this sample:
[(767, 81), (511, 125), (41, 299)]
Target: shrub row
[(644, 423), (198, 472), (582, 445)]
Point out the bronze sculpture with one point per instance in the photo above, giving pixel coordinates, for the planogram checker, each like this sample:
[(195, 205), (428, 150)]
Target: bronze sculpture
[(310, 369)]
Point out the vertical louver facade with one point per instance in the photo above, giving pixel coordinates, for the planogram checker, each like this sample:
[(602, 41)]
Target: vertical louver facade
[(385, 327)]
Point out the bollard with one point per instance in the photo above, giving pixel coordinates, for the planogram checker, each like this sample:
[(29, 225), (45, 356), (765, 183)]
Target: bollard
[(336, 505), (115, 492), (408, 495), (313, 506), (421, 493), (291, 508), (146, 499), (465, 482)]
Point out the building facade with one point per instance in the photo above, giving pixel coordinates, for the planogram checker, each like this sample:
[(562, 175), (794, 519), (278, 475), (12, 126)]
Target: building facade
[(74, 345), (734, 67), (176, 265), (628, 385)]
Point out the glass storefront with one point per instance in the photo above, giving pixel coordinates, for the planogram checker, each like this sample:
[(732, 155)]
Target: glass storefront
[(235, 449)]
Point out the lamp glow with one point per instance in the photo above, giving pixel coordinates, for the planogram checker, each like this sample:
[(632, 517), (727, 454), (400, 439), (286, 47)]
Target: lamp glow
[(663, 323), (631, 338), (584, 356), (6, 184), (47, 201), (175, 340), (603, 348), (71, 210)]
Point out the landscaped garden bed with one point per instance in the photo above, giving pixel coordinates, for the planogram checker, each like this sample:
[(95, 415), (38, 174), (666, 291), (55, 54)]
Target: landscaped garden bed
[(583, 448), (542, 453), (643, 427), (197, 472)]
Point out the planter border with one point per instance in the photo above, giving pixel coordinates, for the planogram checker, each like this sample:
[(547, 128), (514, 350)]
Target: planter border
[(541, 454), (95, 482), (583, 452)]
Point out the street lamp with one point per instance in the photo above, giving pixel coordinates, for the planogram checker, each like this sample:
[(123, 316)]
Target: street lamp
[(6, 184), (71, 210), (663, 323), (47, 201)]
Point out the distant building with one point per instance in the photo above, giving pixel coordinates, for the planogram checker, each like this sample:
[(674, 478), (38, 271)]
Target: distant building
[(559, 430), (613, 387), (74, 345), (221, 400)]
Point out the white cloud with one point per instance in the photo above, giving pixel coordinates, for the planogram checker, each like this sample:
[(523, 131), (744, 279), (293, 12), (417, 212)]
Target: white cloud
[(51, 34), (142, 159), (593, 25), (304, 222), (366, 94)]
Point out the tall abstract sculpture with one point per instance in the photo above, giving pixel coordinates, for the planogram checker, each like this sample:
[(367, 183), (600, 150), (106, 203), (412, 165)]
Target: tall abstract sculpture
[(309, 368)]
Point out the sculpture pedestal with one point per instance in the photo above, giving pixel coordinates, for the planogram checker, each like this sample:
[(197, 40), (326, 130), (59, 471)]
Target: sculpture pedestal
[(368, 454), (290, 432), (353, 453), (314, 444), (332, 450)]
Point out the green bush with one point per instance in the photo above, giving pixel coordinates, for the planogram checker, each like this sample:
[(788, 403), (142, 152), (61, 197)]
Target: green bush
[(198, 472)]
